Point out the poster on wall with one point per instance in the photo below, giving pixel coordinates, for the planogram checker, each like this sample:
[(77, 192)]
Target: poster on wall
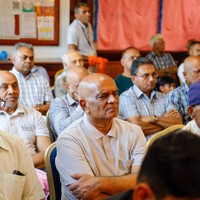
[(29, 20)]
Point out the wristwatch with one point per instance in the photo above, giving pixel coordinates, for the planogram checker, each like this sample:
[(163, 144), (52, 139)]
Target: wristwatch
[(155, 118)]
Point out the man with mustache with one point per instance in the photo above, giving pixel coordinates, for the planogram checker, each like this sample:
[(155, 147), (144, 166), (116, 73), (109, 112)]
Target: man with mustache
[(141, 105), (21, 120), (99, 155), (34, 89)]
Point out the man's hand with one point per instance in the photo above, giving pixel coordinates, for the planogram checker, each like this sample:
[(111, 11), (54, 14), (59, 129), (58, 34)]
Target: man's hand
[(86, 187), (172, 113)]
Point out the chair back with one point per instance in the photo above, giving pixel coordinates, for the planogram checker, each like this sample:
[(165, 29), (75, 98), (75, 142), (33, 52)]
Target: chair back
[(51, 133), (53, 176), (164, 132), (57, 73)]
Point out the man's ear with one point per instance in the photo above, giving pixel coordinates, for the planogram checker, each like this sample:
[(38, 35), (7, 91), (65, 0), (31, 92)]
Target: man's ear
[(132, 78), (13, 59), (184, 74), (190, 111), (83, 105), (66, 85), (142, 192), (122, 62)]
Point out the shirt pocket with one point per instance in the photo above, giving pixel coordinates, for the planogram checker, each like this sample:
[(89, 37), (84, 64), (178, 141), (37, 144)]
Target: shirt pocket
[(125, 167), (12, 186)]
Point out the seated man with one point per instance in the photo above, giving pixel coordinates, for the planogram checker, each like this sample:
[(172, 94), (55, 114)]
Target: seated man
[(194, 108), (141, 105), (170, 170), (34, 89), (26, 122), (18, 178), (103, 153), (65, 110), (70, 59), (160, 59), (165, 84), (179, 96), (123, 81)]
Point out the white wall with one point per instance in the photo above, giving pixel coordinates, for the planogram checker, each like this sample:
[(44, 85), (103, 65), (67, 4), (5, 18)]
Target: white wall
[(52, 51)]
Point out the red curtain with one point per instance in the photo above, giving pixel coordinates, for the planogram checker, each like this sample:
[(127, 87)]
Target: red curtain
[(181, 21), (123, 23)]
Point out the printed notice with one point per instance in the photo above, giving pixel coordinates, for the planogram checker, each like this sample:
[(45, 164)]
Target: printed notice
[(28, 25), (45, 28)]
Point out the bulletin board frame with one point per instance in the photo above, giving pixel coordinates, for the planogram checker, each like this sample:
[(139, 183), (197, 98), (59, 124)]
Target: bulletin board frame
[(42, 12)]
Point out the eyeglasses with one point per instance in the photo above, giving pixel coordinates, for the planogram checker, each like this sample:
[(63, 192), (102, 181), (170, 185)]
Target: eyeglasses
[(147, 76), (2, 104)]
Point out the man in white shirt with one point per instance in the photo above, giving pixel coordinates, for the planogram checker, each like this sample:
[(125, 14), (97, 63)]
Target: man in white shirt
[(99, 155), (21, 120), (17, 174), (70, 59)]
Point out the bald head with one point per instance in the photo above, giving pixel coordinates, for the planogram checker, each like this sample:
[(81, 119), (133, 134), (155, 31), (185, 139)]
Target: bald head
[(91, 82), (73, 78), (6, 74), (9, 90), (72, 58), (76, 73), (98, 97), (192, 69)]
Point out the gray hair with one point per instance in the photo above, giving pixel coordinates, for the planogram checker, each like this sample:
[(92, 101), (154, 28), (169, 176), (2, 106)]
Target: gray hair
[(78, 5), (155, 38), (22, 44)]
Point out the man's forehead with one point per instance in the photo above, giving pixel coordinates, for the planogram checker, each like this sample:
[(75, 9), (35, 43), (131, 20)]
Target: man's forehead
[(84, 8), (7, 77), (146, 68)]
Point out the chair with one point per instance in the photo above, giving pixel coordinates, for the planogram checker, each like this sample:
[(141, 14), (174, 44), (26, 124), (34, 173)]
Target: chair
[(52, 135), (53, 91), (53, 176), (57, 73), (164, 132)]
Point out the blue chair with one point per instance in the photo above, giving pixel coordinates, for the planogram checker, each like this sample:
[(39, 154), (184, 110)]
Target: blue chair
[(52, 173)]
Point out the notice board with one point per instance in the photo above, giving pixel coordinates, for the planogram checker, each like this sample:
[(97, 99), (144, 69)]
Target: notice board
[(31, 21)]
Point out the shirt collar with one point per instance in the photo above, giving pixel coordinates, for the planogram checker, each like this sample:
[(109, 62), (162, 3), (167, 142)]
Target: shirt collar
[(19, 74), (81, 24), (185, 85), (19, 110), (139, 93), (71, 100), (96, 134)]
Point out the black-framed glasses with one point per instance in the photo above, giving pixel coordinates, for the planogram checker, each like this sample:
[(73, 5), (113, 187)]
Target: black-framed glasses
[(147, 76), (2, 103)]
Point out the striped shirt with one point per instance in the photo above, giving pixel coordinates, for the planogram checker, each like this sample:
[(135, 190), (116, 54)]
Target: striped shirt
[(161, 62), (134, 102), (63, 111), (34, 89), (179, 97)]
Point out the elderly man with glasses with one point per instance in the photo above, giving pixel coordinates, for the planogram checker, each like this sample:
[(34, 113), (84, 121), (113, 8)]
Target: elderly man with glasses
[(142, 106)]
